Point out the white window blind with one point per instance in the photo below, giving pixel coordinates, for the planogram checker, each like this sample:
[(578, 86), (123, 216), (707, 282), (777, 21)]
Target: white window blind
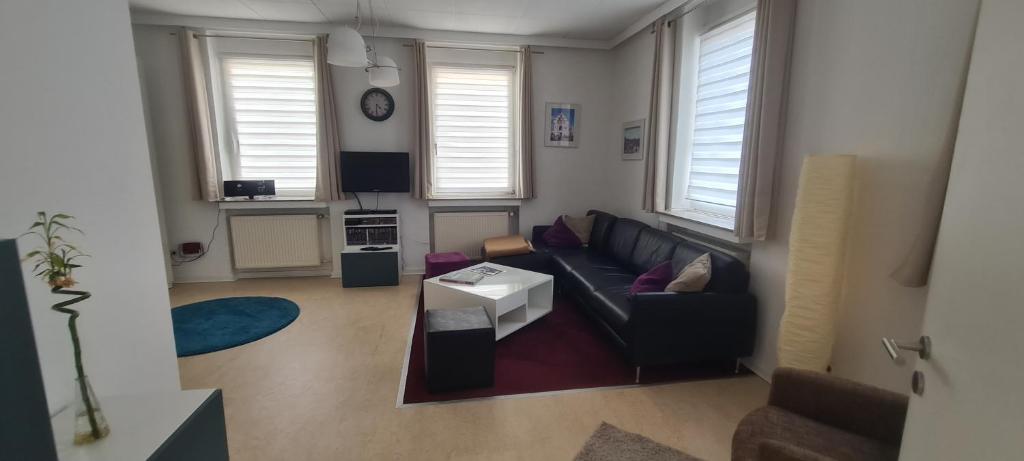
[(723, 75), (473, 130), (272, 105)]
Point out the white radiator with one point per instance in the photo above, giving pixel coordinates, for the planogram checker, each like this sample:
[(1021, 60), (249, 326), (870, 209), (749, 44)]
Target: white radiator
[(274, 241), (466, 231)]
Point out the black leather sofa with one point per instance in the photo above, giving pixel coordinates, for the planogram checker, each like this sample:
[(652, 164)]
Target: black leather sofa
[(651, 328)]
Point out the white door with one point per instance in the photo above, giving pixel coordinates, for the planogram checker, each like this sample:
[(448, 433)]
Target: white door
[(972, 407)]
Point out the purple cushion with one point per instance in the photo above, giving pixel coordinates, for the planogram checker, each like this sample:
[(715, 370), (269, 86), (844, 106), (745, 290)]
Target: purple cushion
[(655, 279), (449, 257), (443, 263), (560, 236)]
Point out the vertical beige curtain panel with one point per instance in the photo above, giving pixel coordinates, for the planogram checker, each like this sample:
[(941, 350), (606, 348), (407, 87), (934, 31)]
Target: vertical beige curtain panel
[(198, 101), (659, 117), (328, 140), (525, 189), (422, 144), (766, 114)]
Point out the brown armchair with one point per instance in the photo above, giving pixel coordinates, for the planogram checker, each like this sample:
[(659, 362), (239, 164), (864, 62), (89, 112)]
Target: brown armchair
[(813, 416)]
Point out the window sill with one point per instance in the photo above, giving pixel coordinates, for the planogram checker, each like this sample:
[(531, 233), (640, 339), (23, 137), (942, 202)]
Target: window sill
[(714, 232), (271, 203), (438, 202)]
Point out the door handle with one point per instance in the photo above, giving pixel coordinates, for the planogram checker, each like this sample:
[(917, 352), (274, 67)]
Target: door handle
[(922, 346)]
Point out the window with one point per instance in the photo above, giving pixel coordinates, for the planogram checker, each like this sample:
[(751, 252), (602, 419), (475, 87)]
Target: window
[(714, 77), (474, 130), (270, 112)]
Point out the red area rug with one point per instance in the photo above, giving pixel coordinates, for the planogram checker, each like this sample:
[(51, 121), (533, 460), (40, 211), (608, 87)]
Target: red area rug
[(563, 350)]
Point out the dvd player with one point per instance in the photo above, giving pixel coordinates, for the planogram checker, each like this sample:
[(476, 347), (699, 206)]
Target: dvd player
[(371, 211)]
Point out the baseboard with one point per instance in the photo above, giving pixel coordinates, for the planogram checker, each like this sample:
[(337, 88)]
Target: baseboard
[(407, 271), (760, 372), (284, 273), (203, 279)]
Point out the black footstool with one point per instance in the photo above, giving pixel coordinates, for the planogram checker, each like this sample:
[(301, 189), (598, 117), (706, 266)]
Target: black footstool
[(459, 349)]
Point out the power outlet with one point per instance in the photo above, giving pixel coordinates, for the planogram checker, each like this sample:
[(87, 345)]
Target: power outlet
[(190, 248)]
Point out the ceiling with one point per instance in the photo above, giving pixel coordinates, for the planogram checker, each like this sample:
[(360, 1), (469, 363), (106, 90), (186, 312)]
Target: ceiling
[(572, 19)]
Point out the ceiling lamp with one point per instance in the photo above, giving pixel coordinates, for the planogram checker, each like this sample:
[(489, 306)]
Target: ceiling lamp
[(345, 47), (382, 69), (383, 72)]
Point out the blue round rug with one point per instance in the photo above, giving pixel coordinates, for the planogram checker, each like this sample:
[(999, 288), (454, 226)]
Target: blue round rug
[(224, 323)]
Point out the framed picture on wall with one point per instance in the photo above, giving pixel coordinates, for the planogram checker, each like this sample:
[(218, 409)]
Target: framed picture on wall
[(563, 125), (633, 140)]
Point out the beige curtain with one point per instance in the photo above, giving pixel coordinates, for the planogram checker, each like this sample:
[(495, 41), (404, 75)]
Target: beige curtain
[(328, 140), (422, 144), (766, 116), (526, 122), (659, 117), (198, 100)]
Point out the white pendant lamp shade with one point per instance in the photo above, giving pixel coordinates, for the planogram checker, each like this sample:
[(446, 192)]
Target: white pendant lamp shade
[(346, 48), (385, 73)]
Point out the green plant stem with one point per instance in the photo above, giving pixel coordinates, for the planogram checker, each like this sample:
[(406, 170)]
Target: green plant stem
[(83, 387)]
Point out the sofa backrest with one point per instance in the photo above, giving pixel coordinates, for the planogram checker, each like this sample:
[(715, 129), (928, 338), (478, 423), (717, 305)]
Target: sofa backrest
[(653, 247), (602, 228), (622, 240), (728, 274)]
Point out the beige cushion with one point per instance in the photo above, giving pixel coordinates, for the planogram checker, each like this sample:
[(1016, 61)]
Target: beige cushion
[(694, 277), (506, 246), (580, 226)]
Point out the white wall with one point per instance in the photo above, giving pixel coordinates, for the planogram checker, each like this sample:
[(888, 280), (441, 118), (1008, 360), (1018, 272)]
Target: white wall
[(883, 86), (570, 180), (632, 63), (878, 79), (359, 133), (567, 180), (73, 140), (185, 219)]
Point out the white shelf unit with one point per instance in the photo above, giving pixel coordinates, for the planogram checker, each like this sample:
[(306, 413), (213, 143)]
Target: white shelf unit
[(366, 230), (364, 268)]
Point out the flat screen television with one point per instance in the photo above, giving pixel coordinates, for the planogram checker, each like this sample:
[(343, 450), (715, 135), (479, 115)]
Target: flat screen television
[(374, 171)]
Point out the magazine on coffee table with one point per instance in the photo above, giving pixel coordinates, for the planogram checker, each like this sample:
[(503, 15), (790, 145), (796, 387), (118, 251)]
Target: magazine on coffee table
[(486, 271), (461, 277)]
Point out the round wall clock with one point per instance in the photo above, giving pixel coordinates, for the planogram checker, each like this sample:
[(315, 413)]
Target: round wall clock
[(377, 104)]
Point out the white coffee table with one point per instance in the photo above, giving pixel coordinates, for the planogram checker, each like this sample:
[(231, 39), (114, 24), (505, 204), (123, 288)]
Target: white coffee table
[(513, 299)]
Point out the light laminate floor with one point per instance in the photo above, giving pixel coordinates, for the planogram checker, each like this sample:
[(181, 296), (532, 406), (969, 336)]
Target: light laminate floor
[(325, 388)]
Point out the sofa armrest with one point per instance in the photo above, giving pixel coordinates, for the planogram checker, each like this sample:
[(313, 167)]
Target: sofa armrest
[(854, 407), (538, 235), (675, 327)]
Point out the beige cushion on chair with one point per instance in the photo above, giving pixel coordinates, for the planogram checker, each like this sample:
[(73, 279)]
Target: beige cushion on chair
[(694, 277), (506, 246), (580, 226)]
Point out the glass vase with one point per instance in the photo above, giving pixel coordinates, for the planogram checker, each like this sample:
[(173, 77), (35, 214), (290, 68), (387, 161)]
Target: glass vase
[(84, 433)]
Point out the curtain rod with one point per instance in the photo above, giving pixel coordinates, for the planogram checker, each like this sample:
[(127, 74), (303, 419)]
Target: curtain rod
[(309, 40), (244, 37), (684, 9), (409, 45)]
